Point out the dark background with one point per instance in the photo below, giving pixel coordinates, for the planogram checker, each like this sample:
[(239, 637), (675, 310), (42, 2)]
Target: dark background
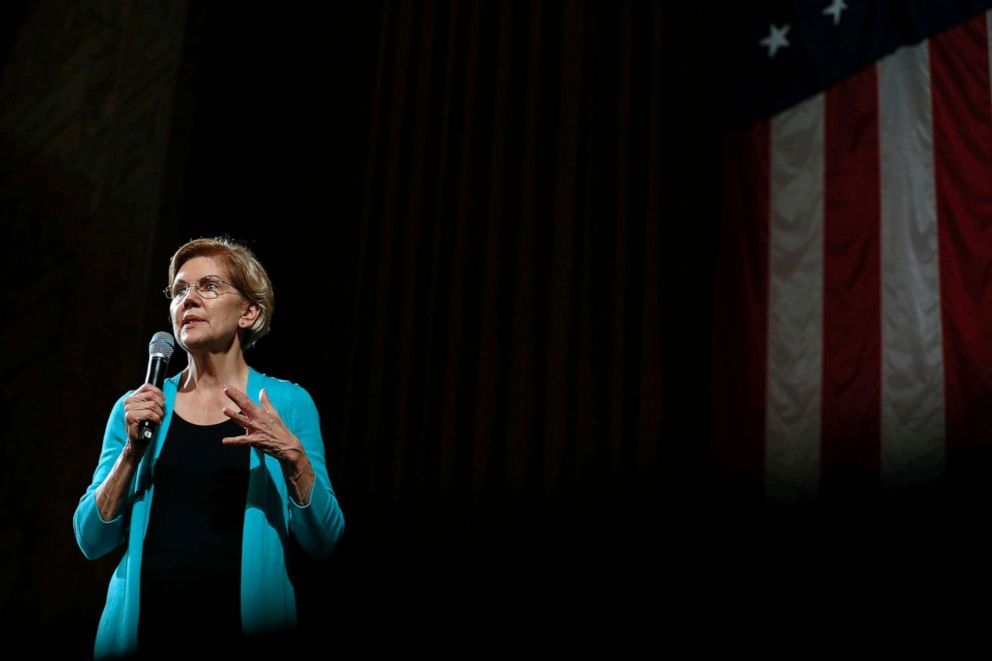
[(492, 229)]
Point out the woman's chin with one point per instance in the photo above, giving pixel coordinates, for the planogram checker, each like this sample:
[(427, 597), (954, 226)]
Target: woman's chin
[(191, 341)]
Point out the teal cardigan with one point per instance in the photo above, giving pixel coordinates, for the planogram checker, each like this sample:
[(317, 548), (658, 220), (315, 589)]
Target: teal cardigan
[(267, 599)]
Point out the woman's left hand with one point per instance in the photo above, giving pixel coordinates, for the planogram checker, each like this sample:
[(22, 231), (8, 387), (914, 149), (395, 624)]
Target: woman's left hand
[(264, 429)]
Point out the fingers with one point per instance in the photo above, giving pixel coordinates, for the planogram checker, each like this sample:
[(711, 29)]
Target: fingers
[(265, 413), (149, 396), (146, 403), (147, 392), (263, 397), (267, 406), (234, 393), (243, 401), (248, 411), (149, 388), (152, 411), (239, 417)]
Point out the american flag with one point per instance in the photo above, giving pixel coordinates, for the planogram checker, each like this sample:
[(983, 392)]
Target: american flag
[(853, 342)]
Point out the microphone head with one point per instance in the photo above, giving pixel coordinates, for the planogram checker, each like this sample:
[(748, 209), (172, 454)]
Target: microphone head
[(162, 344)]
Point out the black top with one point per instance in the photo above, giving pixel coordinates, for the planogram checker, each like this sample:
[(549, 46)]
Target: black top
[(191, 562)]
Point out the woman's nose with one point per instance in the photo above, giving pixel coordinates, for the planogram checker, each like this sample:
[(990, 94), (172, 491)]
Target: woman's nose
[(188, 298)]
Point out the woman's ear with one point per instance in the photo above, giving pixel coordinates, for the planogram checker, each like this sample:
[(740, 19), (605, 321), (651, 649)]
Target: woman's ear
[(249, 314)]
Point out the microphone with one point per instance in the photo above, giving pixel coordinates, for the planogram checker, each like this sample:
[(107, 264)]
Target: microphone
[(159, 352)]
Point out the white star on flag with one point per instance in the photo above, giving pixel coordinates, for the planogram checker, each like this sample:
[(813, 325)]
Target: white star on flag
[(835, 9), (775, 39)]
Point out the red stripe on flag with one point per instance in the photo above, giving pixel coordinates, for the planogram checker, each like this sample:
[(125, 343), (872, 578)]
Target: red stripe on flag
[(741, 316), (852, 357), (962, 162)]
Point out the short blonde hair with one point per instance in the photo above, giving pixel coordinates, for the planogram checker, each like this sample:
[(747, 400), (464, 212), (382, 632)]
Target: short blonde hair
[(246, 273)]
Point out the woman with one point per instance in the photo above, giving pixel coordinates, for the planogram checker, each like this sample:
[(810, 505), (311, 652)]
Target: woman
[(236, 466)]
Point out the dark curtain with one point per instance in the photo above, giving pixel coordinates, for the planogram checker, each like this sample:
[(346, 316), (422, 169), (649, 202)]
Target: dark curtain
[(533, 172), (524, 419)]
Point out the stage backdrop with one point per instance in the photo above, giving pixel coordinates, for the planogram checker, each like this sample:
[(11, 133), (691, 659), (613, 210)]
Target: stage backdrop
[(477, 217)]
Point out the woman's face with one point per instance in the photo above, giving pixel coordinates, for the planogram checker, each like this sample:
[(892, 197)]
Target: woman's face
[(203, 324)]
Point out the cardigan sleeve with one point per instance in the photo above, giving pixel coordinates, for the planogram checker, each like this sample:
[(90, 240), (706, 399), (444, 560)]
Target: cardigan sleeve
[(317, 525), (95, 536)]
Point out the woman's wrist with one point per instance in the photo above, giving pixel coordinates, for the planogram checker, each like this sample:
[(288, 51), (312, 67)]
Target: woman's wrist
[(132, 452), (300, 478), (294, 460), (294, 463)]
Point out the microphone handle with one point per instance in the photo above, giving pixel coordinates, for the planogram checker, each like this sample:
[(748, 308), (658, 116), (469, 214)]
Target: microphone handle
[(157, 365)]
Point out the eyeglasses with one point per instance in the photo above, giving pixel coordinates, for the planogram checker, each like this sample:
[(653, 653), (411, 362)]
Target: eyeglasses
[(208, 287)]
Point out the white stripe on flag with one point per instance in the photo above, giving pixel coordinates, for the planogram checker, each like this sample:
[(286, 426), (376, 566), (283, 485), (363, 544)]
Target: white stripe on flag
[(795, 303), (912, 347)]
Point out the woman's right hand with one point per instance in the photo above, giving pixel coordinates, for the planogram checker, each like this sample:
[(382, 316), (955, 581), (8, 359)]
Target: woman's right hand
[(145, 403)]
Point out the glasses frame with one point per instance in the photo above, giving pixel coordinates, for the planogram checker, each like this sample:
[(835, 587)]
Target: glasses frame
[(205, 293)]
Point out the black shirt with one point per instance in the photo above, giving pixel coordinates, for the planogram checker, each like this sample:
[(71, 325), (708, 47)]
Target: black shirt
[(191, 561)]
